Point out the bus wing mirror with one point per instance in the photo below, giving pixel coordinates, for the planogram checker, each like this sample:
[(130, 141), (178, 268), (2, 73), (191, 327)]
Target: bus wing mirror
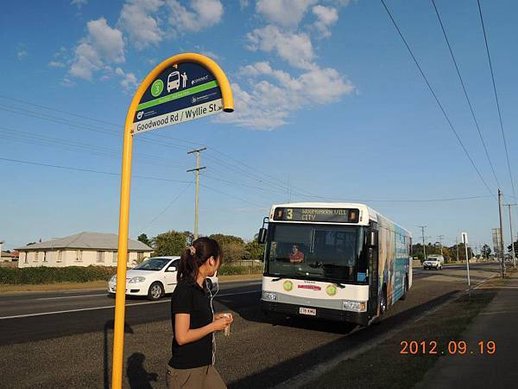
[(373, 238), (261, 237)]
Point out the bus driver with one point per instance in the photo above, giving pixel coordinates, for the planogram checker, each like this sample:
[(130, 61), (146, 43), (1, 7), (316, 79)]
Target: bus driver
[(296, 256)]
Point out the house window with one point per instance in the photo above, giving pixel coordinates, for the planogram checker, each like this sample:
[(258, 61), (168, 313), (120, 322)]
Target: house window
[(100, 256), (79, 255), (115, 256), (36, 256), (60, 256), (44, 256)]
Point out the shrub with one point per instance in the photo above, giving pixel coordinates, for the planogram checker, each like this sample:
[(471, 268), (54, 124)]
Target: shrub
[(48, 275), (227, 270)]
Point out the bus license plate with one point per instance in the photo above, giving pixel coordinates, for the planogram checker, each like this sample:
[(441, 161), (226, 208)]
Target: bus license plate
[(308, 311)]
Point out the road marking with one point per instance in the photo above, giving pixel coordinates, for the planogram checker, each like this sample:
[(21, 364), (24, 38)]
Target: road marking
[(71, 297), (108, 307)]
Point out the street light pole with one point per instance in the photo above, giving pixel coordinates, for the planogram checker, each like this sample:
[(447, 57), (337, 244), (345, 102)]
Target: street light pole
[(502, 266), (511, 231)]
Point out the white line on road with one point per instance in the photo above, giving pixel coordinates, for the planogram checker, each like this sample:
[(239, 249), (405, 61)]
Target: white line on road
[(71, 297), (107, 307)]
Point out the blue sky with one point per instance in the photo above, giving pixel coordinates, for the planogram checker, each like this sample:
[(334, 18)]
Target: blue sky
[(329, 106)]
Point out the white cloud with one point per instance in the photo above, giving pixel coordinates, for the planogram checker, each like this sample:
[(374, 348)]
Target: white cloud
[(137, 20), (129, 81), (202, 14), (273, 96), (79, 3), (21, 54), (287, 13), (103, 45), (60, 58), (295, 48), (326, 17)]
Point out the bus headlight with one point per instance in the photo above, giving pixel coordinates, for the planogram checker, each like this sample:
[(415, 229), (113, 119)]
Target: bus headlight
[(269, 296), (355, 306)]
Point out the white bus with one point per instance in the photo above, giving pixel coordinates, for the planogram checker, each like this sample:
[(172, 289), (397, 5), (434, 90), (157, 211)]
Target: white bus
[(335, 261)]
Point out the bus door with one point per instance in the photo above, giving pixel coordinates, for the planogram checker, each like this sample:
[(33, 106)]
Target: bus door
[(372, 247)]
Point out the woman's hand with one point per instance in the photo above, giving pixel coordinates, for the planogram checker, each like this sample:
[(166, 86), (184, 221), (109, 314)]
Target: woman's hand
[(222, 321)]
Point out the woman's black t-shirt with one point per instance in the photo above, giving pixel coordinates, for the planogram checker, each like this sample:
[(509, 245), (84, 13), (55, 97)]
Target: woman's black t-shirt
[(189, 297)]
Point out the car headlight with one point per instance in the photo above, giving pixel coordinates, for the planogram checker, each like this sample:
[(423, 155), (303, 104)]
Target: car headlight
[(356, 306), (136, 280), (114, 278), (269, 296)]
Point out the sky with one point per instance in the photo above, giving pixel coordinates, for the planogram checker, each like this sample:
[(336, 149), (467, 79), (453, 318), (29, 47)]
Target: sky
[(329, 106)]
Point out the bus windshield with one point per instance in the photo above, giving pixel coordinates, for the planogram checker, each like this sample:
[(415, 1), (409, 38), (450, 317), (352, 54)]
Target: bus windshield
[(317, 252)]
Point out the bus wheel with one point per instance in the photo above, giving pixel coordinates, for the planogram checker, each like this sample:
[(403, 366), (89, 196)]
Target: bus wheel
[(405, 288), (383, 302)]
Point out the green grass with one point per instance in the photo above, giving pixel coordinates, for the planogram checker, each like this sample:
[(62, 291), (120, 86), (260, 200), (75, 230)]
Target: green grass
[(384, 366)]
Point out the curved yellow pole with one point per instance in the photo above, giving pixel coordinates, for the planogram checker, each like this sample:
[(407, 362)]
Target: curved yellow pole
[(127, 150)]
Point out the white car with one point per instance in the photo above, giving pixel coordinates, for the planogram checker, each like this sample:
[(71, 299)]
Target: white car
[(154, 278), (432, 263)]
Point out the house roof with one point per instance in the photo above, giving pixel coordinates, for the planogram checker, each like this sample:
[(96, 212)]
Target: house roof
[(87, 240)]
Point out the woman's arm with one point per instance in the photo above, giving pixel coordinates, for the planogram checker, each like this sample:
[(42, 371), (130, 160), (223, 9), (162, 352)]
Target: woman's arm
[(184, 334)]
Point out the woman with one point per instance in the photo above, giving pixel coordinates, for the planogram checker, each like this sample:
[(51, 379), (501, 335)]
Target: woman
[(194, 321)]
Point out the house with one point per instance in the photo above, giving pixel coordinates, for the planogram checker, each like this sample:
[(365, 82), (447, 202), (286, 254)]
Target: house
[(83, 249)]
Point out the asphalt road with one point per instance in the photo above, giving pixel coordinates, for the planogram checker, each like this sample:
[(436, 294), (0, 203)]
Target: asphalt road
[(73, 349)]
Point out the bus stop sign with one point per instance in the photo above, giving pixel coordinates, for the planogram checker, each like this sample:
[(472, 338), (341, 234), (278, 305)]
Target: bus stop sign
[(182, 92)]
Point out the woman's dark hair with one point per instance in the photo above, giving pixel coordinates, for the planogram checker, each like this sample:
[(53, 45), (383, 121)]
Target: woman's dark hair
[(195, 256)]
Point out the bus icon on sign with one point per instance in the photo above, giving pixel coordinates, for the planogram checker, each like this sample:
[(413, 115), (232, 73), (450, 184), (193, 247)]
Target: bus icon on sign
[(173, 81)]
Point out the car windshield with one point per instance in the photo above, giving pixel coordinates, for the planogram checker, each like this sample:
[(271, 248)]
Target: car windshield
[(153, 264)]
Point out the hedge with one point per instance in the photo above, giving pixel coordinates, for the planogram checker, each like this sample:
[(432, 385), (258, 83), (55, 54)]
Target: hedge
[(227, 270), (49, 275)]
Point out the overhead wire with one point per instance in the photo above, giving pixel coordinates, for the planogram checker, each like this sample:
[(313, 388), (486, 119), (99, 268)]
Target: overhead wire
[(496, 98), (441, 107), (477, 126)]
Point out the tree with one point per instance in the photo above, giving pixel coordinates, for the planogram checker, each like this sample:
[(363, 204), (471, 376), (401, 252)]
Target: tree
[(144, 239), (485, 251), (233, 247), (254, 250), (171, 242), (515, 244)]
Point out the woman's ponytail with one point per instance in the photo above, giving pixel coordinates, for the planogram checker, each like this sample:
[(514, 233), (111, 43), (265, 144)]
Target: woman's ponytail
[(195, 255)]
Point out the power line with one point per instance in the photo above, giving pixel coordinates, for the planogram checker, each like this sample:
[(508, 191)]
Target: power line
[(465, 92), (86, 170), (435, 96), (166, 208), (496, 97)]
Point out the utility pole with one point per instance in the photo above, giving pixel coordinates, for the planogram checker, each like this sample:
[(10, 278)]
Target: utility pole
[(197, 173), (501, 234), (424, 247), (511, 231), (440, 241)]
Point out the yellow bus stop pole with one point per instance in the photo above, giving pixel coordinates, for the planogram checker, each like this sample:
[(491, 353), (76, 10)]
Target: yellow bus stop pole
[(127, 151)]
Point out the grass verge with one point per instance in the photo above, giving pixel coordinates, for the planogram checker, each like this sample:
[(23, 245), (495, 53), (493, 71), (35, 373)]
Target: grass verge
[(385, 367)]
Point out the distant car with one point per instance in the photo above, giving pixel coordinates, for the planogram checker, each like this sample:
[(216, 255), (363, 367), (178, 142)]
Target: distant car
[(432, 263), (154, 278)]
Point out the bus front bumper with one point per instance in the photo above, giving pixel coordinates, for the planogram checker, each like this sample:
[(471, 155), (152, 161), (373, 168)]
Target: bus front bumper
[(361, 318)]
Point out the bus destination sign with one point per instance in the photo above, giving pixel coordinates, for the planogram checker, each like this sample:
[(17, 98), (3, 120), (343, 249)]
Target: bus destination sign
[(330, 215)]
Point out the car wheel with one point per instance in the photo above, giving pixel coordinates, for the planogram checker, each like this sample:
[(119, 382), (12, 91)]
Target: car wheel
[(156, 290)]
